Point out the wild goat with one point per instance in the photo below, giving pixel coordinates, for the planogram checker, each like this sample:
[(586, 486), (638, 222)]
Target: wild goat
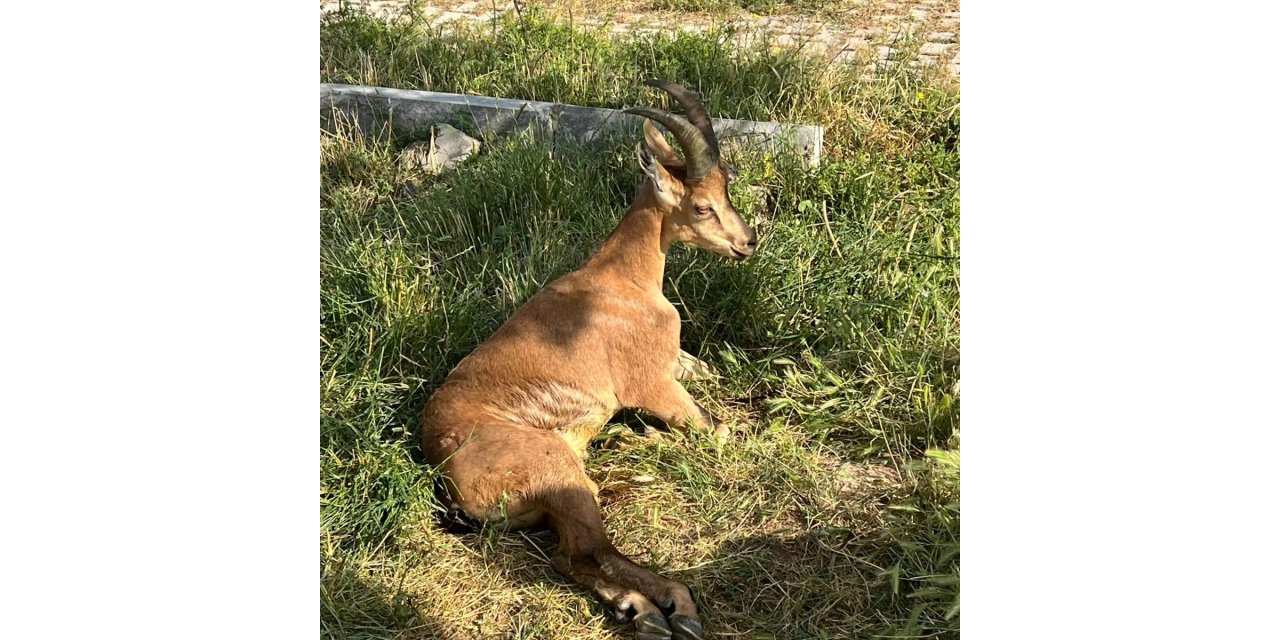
[(511, 424)]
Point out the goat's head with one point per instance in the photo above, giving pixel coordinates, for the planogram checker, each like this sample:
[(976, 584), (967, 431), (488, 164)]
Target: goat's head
[(693, 193)]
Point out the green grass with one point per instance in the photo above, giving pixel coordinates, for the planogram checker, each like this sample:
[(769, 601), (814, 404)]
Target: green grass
[(834, 512)]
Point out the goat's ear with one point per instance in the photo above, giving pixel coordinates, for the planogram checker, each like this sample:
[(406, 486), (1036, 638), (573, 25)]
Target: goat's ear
[(658, 147), (665, 185)]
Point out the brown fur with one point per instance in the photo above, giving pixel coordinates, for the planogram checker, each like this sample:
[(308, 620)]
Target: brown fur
[(511, 423)]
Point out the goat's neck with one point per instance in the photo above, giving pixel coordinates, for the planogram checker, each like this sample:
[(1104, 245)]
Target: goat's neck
[(637, 248)]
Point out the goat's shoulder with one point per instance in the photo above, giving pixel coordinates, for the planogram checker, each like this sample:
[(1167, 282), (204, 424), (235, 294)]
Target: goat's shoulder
[(605, 295)]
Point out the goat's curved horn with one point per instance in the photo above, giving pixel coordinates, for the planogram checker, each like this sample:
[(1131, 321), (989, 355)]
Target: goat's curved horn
[(694, 110), (698, 156)]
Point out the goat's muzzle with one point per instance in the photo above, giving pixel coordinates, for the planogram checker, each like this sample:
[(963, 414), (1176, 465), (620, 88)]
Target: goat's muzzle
[(746, 249)]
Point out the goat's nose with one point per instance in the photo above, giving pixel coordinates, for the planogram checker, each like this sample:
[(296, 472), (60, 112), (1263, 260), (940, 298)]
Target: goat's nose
[(751, 241)]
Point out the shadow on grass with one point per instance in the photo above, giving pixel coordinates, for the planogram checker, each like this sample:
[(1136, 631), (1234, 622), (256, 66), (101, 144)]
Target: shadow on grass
[(356, 607), (787, 586), (777, 586)]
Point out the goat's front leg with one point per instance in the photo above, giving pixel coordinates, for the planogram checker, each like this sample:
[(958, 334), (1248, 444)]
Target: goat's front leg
[(669, 401)]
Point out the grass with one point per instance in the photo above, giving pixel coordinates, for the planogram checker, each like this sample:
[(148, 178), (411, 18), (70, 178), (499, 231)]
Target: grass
[(834, 513)]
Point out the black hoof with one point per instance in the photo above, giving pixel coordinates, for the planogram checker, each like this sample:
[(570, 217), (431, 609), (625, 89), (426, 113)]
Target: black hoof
[(686, 628), (651, 626)]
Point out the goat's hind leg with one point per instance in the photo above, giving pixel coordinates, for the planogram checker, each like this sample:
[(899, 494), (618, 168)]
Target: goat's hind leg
[(586, 556), (519, 475)]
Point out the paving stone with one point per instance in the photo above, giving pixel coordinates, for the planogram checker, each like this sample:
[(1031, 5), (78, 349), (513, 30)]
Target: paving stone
[(448, 16), (848, 56), (901, 32), (815, 49), (895, 23), (793, 27)]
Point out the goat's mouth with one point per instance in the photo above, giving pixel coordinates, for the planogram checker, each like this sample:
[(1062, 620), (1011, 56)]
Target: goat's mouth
[(738, 255)]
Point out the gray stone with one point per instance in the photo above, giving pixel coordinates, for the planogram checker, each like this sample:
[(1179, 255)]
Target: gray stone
[(410, 115), (446, 149), (935, 49), (689, 367), (942, 36), (883, 53)]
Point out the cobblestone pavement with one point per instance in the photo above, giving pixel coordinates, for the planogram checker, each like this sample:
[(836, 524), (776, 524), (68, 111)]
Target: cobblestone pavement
[(843, 31)]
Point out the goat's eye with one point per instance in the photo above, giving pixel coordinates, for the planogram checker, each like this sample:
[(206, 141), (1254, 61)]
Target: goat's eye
[(703, 211)]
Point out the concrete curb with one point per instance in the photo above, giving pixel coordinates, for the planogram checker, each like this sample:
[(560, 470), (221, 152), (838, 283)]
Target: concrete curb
[(410, 114)]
